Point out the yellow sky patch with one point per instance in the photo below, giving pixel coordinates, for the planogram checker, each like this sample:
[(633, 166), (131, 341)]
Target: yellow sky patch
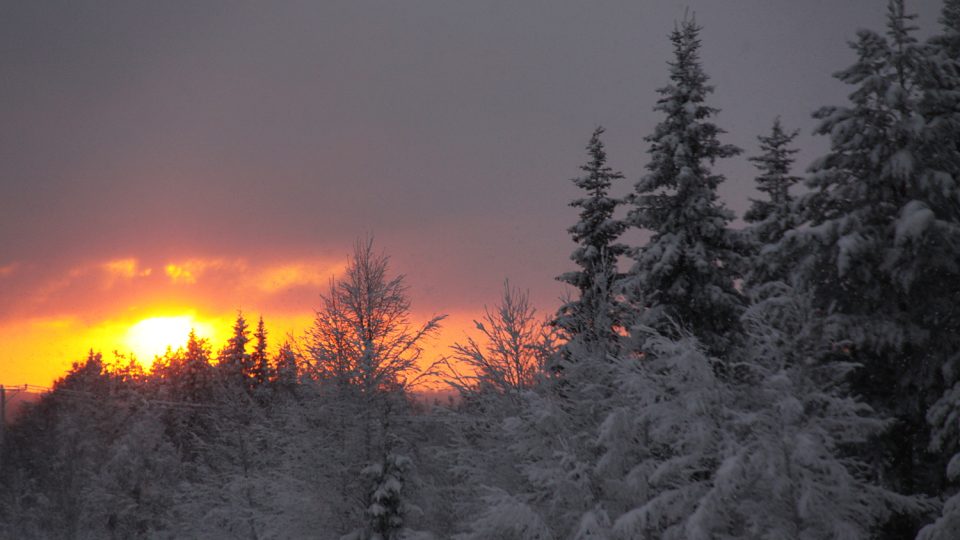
[(125, 268)]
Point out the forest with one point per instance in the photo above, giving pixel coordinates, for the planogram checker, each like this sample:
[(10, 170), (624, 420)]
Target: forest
[(796, 378)]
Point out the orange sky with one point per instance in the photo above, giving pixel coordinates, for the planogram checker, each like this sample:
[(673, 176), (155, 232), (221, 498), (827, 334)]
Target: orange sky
[(127, 306)]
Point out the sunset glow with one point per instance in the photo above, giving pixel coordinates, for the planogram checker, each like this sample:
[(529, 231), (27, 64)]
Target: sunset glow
[(151, 337)]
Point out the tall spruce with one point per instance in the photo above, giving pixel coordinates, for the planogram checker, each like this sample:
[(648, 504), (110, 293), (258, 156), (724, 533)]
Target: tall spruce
[(878, 249), (770, 218), (233, 361), (940, 84), (259, 362), (597, 251), (685, 274)]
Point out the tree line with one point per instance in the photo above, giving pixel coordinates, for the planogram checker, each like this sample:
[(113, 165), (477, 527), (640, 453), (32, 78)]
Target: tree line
[(797, 378)]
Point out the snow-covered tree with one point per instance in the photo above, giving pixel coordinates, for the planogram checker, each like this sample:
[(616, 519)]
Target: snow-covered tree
[(534, 458), (685, 273), (228, 486), (387, 505), (186, 374), (878, 246), (769, 219), (679, 422), (133, 493), (597, 251), (785, 471), (234, 362), (363, 353), (944, 416), (286, 373)]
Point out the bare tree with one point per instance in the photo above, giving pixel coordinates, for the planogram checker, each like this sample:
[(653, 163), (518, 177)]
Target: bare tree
[(362, 336), (517, 346)]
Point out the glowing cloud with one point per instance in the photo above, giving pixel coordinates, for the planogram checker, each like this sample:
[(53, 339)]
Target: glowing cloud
[(7, 270), (180, 274), (278, 278), (189, 271), (125, 268)]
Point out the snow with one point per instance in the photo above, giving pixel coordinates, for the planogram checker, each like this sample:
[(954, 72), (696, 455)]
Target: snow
[(914, 220)]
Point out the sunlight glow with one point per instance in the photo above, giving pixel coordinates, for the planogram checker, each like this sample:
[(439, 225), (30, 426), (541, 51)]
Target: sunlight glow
[(151, 337)]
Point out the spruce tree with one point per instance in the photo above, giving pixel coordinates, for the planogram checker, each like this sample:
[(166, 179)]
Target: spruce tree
[(234, 362), (286, 375), (685, 274), (878, 249), (195, 381), (770, 219), (597, 251), (786, 469), (940, 83), (259, 362)]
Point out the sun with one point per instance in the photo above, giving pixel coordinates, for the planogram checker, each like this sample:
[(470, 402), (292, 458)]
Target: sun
[(151, 337)]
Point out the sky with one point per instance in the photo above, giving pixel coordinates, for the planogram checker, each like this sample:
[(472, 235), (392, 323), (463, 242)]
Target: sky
[(191, 159)]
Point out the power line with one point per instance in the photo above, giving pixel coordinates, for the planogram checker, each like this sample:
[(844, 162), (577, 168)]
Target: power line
[(83, 395)]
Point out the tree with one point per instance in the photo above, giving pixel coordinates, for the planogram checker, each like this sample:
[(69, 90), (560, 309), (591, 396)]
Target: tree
[(685, 272), (363, 354), (678, 420), (185, 374), (234, 363), (261, 372), (770, 219), (362, 336), (286, 373), (940, 80), (516, 350), (944, 417), (785, 470), (878, 248), (387, 507), (597, 251)]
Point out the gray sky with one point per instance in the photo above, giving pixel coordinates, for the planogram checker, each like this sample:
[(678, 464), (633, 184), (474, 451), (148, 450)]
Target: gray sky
[(281, 131)]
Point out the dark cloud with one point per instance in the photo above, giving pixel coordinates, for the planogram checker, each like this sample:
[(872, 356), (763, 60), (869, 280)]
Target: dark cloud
[(279, 131)]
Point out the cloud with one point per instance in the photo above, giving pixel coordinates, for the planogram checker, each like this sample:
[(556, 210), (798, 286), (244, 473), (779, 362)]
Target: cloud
[(8, 270), (189, 271), (297, 274), (125, 268)]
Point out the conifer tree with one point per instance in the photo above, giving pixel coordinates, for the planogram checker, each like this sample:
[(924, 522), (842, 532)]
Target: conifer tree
[(878, 249), (684, 275), (193, 371), (784, 471), (940, 76), (234, 362), (259, 362), (286, 373), (944, 416), (770, 219), (387, 506), (597, 251)]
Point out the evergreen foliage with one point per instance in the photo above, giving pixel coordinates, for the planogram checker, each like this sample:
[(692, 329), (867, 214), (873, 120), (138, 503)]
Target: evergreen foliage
[(878, 245), (770, 219), (684, 275), (261, 372), (597, 251)]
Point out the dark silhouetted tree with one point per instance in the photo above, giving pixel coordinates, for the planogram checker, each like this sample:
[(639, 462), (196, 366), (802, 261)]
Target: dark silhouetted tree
[(685, 274), (597, 251)]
